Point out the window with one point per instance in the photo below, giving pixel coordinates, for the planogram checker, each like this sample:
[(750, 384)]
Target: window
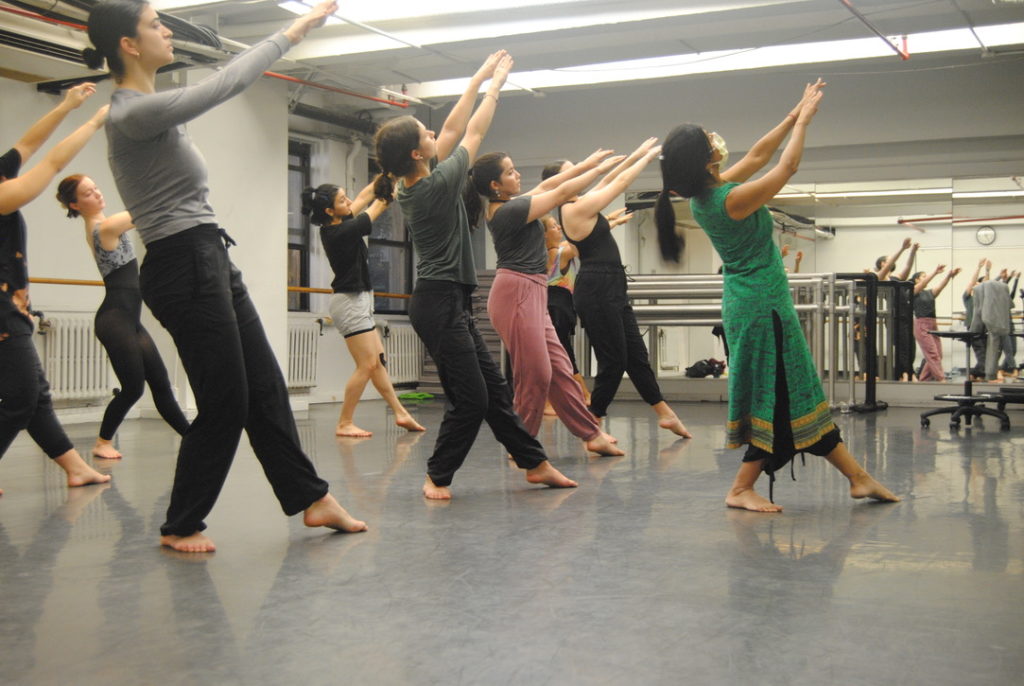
[(298, 225), (390, 256)]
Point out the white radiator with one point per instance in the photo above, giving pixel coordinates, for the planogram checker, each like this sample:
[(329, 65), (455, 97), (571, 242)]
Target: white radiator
[(75, 363), (303, 344), (403, 352)]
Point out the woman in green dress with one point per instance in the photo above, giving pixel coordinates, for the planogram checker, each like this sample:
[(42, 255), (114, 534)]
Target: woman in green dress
[(776, 404)]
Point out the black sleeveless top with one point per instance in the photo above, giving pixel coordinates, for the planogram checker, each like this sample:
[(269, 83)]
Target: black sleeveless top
[(599, 248)]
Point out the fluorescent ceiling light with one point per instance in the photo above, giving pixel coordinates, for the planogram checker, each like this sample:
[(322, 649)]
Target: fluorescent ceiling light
[(414, 9), (885, 193), (988, 194), (301, 8), (734, 60), (478, 29)]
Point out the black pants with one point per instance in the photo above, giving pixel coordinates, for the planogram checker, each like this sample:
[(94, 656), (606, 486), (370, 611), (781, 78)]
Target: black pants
[(600, 300), (475, 391), (563, 318), (135, 360), (195, 292), (25, 399)]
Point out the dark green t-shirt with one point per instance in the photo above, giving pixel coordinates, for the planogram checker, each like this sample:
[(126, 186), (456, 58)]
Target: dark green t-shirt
[(437, 221)]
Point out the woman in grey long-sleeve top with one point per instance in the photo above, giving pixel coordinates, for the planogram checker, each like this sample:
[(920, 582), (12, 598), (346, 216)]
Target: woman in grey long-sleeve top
[(187, 279)]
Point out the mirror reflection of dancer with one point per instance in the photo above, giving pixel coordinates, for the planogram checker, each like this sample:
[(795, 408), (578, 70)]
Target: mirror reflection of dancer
[(441, 307), (776, 403), (343, 224), (600, 294), (517, 304), (118, 324), (924, 321), (187, 278), (25, 401)]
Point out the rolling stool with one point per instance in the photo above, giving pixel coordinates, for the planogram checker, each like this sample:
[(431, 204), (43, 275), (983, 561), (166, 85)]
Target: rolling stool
[(968, 404)]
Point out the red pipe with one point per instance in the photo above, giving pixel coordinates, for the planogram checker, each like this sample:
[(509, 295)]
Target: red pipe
[(951, 220), (284, 77), (83, 27)]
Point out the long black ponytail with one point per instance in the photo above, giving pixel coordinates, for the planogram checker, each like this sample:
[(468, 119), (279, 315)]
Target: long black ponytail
[(684, 159)]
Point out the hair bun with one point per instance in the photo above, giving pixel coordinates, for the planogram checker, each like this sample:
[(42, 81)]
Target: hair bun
[(92, 58)]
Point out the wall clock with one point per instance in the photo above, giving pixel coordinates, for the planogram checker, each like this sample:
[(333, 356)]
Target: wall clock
[(986, 235)]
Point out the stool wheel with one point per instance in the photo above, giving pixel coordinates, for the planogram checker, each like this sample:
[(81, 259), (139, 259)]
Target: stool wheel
[(955, 426), (925, 422), (1005, 426)]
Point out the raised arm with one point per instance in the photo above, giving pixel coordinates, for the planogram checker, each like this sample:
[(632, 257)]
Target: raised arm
[(762, 151), (545, 202), (745, 199), (455, 124), (905, 272), (595, 158), (18, 192), (112, 227), (618, 217), (890, 262), (626, 163), (923, 283), (39, 132), (363, 200), (480, 122), (578, 218), (945, 281), (153, 114), (797, 260), (969, 290)]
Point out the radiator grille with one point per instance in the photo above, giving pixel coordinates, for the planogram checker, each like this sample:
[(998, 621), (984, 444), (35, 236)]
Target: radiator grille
[(75, 363)]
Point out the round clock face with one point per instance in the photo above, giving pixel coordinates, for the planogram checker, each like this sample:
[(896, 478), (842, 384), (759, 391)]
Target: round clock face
[(986, 235)]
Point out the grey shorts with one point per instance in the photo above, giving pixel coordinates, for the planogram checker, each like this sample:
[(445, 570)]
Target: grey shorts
[(352, 312)]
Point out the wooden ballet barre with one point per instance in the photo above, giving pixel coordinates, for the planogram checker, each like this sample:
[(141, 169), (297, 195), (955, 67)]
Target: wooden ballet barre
[(328, 291), (66, 282)]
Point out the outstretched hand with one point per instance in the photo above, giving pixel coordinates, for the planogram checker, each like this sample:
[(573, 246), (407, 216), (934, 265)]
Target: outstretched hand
[(78, 94), (501, 71), (809, 107), (595, 158), (609, 164), (315, 18), (486, 69), (619, 216)]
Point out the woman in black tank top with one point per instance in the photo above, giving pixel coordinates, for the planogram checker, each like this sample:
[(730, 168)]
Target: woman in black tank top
[(600, 295), (118, 325)]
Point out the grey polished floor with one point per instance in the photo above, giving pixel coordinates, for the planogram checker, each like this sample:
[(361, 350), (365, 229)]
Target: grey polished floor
[(639, 576)]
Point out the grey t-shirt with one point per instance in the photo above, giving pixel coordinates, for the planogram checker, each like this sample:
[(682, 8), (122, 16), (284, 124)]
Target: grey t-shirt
[(437, 221), (520, 245), (159, 172)]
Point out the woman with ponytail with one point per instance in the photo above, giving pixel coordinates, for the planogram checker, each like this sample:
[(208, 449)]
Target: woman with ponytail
[(517, 303), (187, 278), (600, 294), (118, 323), (776, 404), (343, 224), (441, 306), (25, 401)]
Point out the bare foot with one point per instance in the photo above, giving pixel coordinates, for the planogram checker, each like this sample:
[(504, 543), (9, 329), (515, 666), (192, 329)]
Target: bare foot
[(609, 437), (866, 487), (408, 423), (549, 411), (432, 491), (748, 499), (674, 425), (602, 446), (549, 476), (105, 450), (352, 431), (193, 543), (328, 512), (79, 472)]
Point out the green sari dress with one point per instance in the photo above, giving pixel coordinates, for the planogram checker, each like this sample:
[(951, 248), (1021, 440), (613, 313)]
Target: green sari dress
[(756, 294)]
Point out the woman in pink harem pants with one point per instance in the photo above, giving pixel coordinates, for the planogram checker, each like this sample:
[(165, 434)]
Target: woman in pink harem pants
[(518, 303), (924, 321)]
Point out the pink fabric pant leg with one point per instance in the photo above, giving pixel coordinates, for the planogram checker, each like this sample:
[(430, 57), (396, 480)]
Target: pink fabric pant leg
[(931, 348), (518, 309)]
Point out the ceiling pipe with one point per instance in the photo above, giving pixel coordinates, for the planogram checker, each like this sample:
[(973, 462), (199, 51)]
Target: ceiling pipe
[(191, 47), (902, 52)]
